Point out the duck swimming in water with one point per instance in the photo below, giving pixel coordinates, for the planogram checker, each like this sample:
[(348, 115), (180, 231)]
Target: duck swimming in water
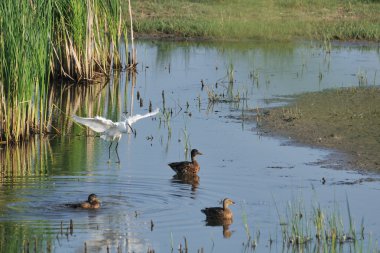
[(186, 167), (219, 213), (92, 203)]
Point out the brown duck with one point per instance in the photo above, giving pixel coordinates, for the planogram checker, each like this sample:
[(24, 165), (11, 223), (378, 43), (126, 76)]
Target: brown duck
[(92, 203), (219, 213), (186, 167)]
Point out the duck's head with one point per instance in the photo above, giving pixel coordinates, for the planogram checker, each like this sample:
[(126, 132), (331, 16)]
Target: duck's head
[(92, 198), (195, 152), (227, 202)]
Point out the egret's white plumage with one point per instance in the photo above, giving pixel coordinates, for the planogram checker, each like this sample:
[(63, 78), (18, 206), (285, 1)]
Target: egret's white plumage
[(109, 130)]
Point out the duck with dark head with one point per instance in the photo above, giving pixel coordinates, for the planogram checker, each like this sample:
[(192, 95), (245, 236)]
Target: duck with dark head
[(186, 167), (92, 203)]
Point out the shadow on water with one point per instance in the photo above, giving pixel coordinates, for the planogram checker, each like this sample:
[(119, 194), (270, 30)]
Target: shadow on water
[(38, 178)]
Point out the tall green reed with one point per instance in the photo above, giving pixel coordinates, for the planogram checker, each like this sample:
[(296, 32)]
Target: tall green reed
[(44, 39), (24, 59), (88, 34)]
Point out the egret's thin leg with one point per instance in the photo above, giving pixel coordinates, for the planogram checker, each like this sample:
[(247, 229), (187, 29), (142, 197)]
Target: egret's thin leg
[(109, 151), (117, 153)]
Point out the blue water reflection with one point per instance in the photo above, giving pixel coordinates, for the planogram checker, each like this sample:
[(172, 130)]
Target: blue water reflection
[(143, 205)]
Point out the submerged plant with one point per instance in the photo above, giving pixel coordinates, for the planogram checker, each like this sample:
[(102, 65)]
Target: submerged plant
[(214, 97), (255, 77), (230, 73), (186, 142), (362, 77)]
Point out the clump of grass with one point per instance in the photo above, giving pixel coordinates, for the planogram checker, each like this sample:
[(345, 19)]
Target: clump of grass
[(362, 78), (319, 219), (228, 95), (214, 97), (252, 238), (186, 141), (255, 76), (290, 114), (230, 74), (298, 231), (298, 228)]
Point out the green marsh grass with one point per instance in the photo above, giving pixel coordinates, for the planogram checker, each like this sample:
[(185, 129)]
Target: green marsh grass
[(87, 38), (324, 228), (24, 61), (280, 20), (49, 40)]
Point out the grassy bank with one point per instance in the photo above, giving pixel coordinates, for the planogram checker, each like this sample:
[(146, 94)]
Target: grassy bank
[(345, 119), (264, 20)]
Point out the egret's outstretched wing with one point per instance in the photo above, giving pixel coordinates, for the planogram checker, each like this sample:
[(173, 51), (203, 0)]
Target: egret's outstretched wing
[(98, 124), (133, 119)]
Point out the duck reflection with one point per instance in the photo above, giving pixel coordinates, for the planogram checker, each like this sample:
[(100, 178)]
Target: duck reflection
[(224, 223), (220, 216), (189, 179)]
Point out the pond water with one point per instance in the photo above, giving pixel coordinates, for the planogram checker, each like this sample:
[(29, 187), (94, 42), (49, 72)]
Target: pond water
[(143, 206)]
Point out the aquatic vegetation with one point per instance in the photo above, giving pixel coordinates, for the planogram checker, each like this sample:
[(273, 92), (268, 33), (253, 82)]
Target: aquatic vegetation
[(290, 114), (326, 228), (252, 240), (255, 76), (25, 159), (230, 74), (214, 97), (186, 142), (326, 45), (362, 77), (24, 71), (86, 37), (50, 40)]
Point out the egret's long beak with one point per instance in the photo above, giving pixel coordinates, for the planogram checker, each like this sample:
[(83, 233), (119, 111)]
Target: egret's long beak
[(130, 128)]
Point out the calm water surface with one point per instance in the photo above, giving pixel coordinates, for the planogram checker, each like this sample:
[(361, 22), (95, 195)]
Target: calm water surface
[(144, 207)]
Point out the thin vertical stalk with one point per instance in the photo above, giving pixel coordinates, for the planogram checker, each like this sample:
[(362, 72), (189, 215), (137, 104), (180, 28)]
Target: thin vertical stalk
[(132, 38)]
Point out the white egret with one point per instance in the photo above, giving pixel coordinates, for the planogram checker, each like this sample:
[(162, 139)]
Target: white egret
[(109, 130)]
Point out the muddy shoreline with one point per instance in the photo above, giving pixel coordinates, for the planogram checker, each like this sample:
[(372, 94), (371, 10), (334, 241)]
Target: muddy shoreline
[(346, 120)]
